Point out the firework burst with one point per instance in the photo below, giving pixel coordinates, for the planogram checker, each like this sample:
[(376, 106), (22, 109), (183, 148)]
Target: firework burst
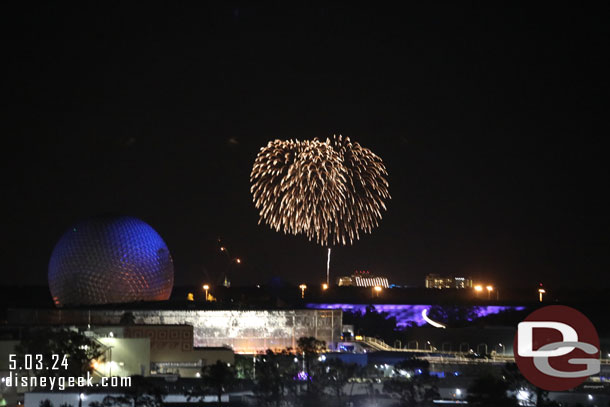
[(330, 191)]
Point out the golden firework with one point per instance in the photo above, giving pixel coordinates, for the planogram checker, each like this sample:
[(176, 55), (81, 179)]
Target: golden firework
[(330, 191)]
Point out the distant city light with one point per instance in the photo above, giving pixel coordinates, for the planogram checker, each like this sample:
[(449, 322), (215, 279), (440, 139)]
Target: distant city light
[(478, 288)]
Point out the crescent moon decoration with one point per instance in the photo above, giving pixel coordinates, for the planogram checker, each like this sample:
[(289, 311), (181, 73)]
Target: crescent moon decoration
[(330, 191)]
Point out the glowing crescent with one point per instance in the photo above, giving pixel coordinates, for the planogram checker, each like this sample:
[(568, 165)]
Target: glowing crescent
[(435, 324)]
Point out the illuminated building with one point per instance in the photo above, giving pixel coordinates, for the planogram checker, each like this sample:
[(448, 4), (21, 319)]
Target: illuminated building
[(168, 350), (439, 282), (243, 331), (363, 279), (110, 259)]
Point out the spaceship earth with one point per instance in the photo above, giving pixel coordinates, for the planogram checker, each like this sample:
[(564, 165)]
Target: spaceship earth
[(108, 260)]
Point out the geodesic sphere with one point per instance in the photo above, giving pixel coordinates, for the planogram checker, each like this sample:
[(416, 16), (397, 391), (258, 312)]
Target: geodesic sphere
[(112, 259)]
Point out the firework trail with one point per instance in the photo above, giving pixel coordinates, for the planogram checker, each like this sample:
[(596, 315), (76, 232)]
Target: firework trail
[(330, 191)]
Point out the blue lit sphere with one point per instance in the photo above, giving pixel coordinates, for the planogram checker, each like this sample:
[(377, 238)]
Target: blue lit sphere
[(108, 260)]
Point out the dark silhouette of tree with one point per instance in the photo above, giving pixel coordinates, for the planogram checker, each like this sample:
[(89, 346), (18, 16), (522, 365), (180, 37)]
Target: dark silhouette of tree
[(127, 318), (216, 379), (516, 382), (80, 351), (489, 390), (244, 367), (219, 377), (413, 385), (143, 392), (454, 316), (334, 375), (309, 348), (275, 378), (373, 323), (45, 403)]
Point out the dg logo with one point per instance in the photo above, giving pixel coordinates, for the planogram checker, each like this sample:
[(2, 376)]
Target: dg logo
[(557, 348)]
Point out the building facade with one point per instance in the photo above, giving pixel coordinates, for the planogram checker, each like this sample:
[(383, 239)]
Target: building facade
[(440, 282), (363, 279), (250, 331)]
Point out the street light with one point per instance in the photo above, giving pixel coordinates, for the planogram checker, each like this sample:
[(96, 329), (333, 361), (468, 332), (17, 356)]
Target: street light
[(376, 290), (303, 287), (490, 288), (540, 292), (324, 286), (206, 288), (478, 288)]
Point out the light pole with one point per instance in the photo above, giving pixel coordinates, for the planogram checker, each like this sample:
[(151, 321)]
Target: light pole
[(489, 288), (376, 290), (206, 288), (303, 287), (541, 291)]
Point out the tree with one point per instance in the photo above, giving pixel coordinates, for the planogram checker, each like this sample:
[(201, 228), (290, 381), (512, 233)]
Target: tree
[(79, 349), (413, 385), (143, 392), (334, 375), (489, 390), (275, 375), (309, 348), (373, 323), (219, 377), (216, 379), (454, 316), (268, 381), (518, 383), (127, 318), (45, 403)]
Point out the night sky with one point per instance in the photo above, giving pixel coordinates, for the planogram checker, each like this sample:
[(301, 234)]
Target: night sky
[(492, 122)]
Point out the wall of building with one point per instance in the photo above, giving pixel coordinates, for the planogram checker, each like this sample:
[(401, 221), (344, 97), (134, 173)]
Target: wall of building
[(125, 356), (243, 331)]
